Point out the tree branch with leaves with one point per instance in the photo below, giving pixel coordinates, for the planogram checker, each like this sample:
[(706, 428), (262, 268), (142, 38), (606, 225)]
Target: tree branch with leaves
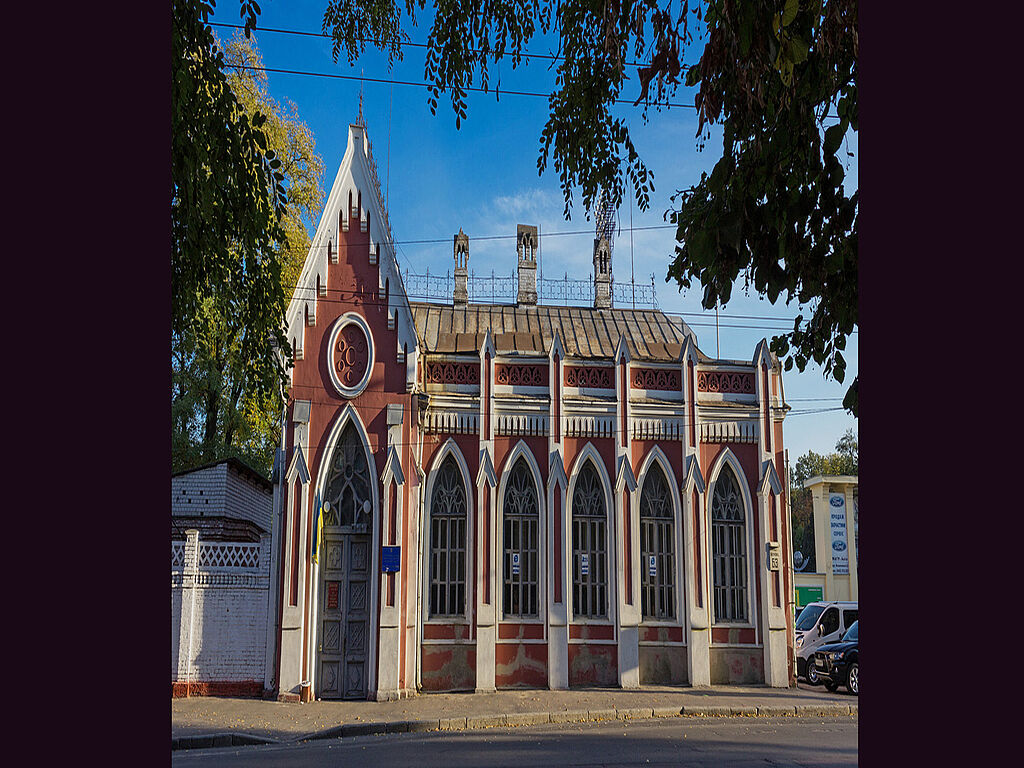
[(774, 210)]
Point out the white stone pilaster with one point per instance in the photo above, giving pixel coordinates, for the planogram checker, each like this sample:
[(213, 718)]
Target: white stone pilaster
[(698, 625), (486, 586), (557, 605)]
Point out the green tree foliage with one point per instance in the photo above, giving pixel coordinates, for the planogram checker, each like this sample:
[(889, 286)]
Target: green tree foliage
[(842, 461), (774, 209), (219, 406), (227, 204), (292, 143)]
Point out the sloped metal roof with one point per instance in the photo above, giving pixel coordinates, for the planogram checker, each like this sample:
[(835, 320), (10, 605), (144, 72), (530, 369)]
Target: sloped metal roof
[(528, 330)]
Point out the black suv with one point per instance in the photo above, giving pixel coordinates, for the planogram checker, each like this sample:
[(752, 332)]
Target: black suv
[(836, 663)]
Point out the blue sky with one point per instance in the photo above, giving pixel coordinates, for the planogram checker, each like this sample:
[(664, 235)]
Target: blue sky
[(483, 178)]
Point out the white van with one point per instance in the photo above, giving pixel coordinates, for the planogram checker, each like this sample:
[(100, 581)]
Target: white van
[(817, 624)]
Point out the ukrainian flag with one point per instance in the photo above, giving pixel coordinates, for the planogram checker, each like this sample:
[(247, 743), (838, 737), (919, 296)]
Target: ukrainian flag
[(319, 527)]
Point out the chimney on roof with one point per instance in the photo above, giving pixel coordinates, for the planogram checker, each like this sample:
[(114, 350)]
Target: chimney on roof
[(602, 274), (527, 246), (461, 296)]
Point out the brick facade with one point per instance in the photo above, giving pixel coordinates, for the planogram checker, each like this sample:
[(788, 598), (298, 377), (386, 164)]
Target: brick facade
[(220, 589), (225, 610), (604, 393), (227, 488)]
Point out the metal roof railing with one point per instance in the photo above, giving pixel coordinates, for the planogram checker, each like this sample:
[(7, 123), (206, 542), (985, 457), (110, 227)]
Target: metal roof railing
[(497, 289)]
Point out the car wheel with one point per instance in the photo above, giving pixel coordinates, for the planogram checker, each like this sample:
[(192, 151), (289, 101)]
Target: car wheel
[(853, 679), (831, 686), (811, 675)]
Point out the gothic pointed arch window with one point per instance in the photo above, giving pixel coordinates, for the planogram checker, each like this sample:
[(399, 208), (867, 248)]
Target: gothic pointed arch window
[(729, 548), (589, 545), (347, 495), (657, 547), (521, 521), (448, 542)]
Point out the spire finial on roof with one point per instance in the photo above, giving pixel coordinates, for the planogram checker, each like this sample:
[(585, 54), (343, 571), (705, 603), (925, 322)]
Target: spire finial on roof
[(359, 118)]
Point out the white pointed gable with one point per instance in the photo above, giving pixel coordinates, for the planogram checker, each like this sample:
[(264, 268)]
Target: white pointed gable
[(354, 180)]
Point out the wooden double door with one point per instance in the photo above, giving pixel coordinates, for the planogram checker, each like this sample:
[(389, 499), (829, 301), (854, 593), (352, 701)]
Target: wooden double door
[(344, 624)]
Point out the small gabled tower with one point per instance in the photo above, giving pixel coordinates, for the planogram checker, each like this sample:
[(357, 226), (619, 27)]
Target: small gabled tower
[(602, 274), (461, 253), (527, 245)]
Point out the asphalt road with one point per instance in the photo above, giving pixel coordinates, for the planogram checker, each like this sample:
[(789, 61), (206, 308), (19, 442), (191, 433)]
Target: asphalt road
[(734, 741)]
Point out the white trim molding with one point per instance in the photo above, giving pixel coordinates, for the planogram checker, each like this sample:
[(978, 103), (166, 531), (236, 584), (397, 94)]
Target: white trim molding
[(347, 319)]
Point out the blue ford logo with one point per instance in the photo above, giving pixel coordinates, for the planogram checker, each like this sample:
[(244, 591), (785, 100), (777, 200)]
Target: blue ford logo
[(837, 501), (838, 545)]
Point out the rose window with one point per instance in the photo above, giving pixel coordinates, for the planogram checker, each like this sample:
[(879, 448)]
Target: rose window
[(350, 355)]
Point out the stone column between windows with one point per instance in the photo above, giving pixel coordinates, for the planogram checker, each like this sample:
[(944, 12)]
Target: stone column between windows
[(773, 617), (626, 540), (486, 615), (558, 584), (292, 618)]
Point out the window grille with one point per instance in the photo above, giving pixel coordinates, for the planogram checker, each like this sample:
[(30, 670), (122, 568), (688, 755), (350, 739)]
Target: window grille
[(729, 549), (348, 484), (589, 525), (448, 542), (657, 540), (521, 521)]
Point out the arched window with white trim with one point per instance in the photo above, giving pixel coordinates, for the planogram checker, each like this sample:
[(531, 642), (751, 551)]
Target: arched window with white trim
[(520, 566), (347, 499), (589, 546), (729, 548), (448, 542), (657, 547)]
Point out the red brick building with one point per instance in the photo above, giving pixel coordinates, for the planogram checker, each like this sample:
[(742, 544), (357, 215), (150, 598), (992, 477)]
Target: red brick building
[(517, 494)]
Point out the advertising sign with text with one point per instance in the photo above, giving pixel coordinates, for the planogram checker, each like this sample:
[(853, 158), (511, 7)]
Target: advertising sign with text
[(837, 524)]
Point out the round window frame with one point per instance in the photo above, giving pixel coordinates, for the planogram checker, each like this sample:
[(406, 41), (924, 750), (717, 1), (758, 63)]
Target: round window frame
[(350, 318)]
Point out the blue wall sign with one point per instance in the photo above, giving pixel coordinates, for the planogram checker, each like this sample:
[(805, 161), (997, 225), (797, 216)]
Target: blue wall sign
[(652, 565), (584, 563), (515, 563), (391, 559)]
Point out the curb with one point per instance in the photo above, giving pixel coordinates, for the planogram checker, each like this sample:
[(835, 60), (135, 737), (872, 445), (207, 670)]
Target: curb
[(207, 740), (516, 719)]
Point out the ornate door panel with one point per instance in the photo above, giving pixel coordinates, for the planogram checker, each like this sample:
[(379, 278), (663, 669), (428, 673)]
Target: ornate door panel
[(357, 613), (344, 616)]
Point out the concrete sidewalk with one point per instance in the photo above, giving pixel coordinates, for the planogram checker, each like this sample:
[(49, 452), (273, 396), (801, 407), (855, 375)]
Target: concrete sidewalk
[(201, 722)]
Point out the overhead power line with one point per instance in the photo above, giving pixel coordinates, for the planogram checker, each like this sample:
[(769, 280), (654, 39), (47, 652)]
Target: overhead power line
[(498, 91), (311, 292), (403, 43), (408, 43)]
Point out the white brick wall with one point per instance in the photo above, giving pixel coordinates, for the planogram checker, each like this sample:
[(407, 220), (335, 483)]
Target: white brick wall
[(175, 628), (220, 490), (229, 626), (248, 500), (198, 492)]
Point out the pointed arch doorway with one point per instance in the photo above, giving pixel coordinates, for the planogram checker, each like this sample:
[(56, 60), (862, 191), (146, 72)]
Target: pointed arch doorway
[(345, 568)]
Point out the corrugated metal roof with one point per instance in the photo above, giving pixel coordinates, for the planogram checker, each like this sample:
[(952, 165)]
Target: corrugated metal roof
[(528, 330)]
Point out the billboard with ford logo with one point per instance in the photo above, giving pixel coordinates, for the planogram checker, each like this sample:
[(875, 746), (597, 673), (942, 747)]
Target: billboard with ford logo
[(837, 525)]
